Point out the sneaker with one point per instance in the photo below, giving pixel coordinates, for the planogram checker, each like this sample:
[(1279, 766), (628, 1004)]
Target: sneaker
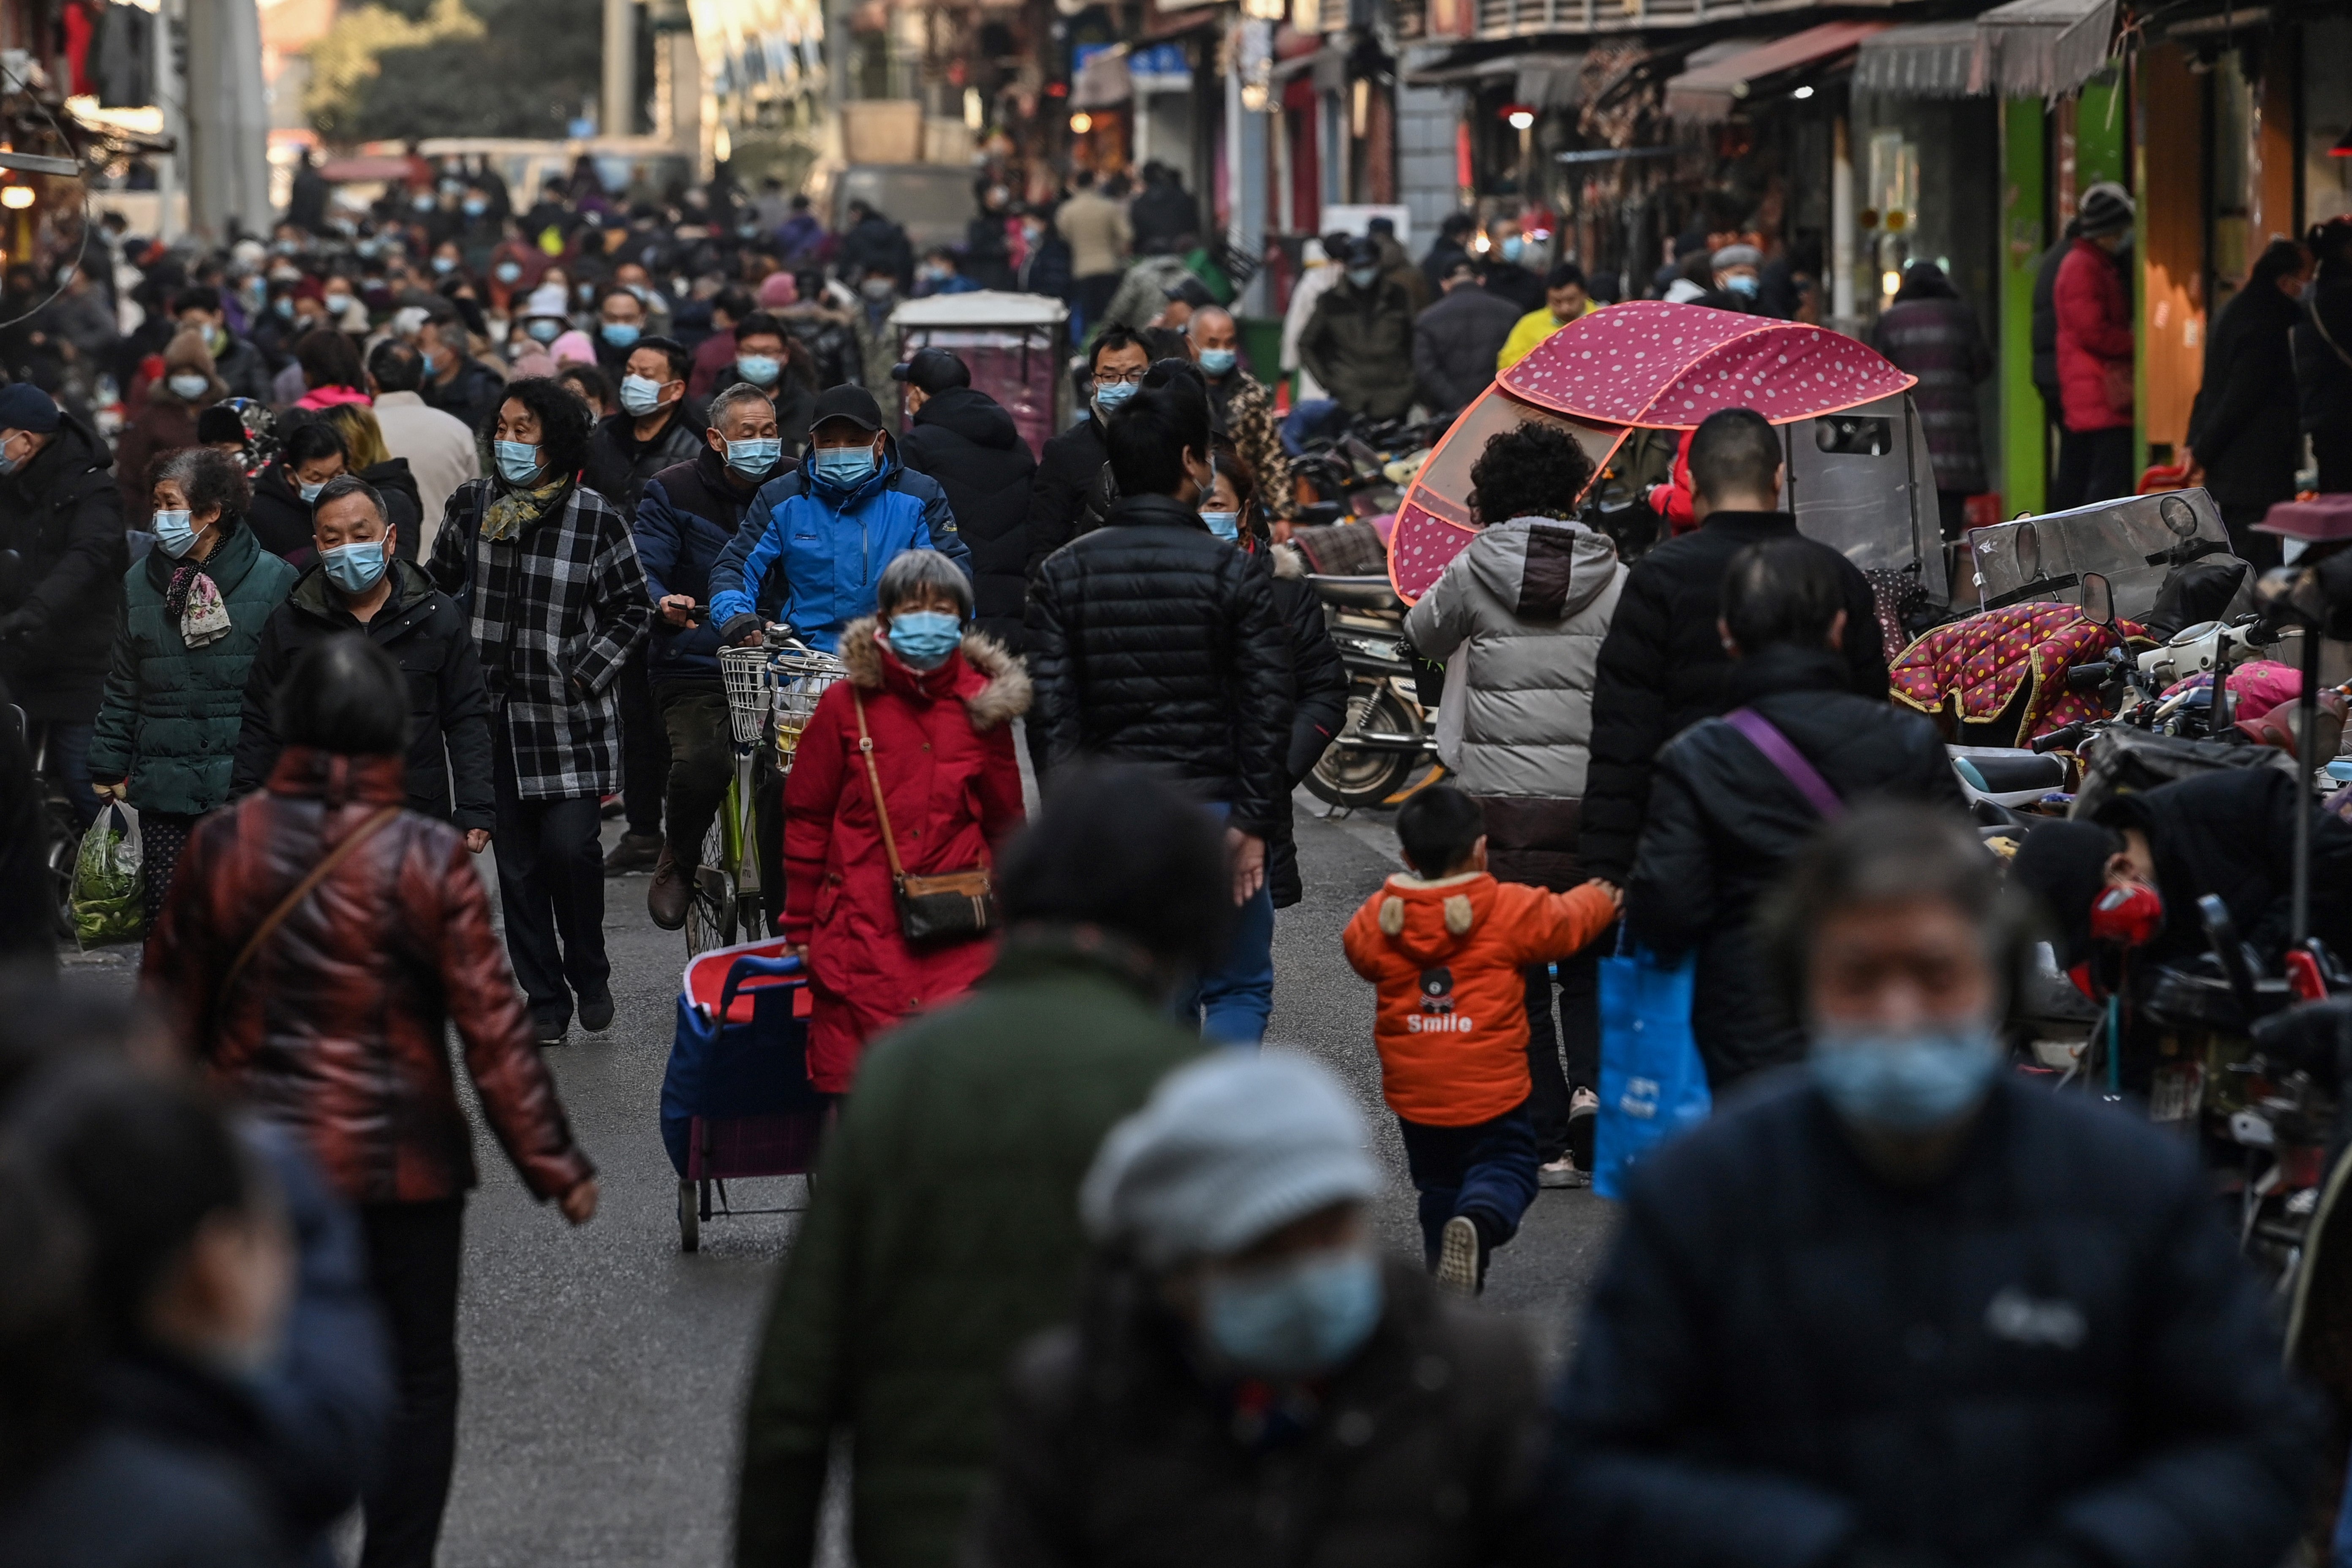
[(1563, 1171), (596, 1011), (1584, 1122), (1458, 1255), (548, 1033), (670, 893), (635, 852)]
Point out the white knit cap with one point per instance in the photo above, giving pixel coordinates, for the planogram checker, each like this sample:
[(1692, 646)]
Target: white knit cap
[(1228, 1150), (547, 300)]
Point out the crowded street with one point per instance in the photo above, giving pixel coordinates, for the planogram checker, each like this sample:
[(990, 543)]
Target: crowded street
[(1168, 783)]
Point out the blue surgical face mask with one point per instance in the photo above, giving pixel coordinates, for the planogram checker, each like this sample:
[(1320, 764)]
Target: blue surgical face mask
[(517, 461), (1296, 1320), (337, 304), (445, 264), (543, 329), (427, 362), (1513, 248), (758, 369), (923, 639), (355, 568), (1226, 525), (9, 463), (507, 271), (175, 533), (845, 467), (1909, 1083), (754, 458), (1217, 362), (310, 493), (285, 307), (622, 334), (1112, 395), (186, 386), (1363, 277), (475, 206), (640, 396), (1742, 284)]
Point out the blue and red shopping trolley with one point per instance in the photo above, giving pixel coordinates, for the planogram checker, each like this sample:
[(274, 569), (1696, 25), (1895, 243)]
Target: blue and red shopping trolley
[(736, 1099)]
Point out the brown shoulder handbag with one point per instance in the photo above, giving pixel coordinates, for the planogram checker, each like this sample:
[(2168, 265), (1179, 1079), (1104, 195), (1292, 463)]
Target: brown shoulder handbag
[(954, 906)]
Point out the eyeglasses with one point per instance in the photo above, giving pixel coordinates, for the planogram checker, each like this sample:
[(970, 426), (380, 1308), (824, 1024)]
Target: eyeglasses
[(1121, 378)]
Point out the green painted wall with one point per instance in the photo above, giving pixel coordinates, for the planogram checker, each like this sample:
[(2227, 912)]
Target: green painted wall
[(2024, 441)]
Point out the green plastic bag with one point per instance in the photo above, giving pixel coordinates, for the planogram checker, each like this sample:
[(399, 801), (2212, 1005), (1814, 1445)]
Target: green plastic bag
[(110, 892)]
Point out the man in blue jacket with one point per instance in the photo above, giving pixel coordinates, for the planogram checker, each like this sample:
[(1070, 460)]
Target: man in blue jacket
[(686, 520), (828, 528)]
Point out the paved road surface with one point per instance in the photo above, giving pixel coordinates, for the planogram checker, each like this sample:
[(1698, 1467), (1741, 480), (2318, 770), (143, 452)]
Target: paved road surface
[(603, 1367)]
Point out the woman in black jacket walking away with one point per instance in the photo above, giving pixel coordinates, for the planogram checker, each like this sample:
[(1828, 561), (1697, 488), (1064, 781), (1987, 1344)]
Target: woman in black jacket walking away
[(1930, 331), (2242, 429), (1724, 816), (2323, 352)]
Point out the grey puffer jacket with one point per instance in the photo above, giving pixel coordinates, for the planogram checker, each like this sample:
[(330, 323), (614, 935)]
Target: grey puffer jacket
[(1517, 620)]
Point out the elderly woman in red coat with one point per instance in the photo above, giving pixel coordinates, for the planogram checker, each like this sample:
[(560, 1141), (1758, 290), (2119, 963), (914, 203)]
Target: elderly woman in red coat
[(938, 700)]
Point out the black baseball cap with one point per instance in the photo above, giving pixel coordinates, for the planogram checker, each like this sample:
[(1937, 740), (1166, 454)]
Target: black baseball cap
[(853, 403), (932, 371)]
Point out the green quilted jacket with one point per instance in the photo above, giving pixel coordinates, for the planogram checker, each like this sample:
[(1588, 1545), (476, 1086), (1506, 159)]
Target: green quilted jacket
[(169, 719), (944, 1233)]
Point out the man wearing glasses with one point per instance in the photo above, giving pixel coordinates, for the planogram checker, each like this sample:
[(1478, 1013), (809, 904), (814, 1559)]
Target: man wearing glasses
[(1067, 498)]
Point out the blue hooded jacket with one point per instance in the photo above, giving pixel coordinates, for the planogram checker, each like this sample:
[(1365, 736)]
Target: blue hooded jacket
[(829, 546)]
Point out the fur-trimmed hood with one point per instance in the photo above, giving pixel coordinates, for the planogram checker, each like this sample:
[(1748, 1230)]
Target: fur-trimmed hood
[(1002, 697)]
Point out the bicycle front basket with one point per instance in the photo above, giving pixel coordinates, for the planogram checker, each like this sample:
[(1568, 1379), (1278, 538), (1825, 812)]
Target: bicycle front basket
[(750, 684)]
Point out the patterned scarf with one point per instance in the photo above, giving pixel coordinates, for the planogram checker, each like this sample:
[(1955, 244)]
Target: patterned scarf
[(183, 583), (516, 509)]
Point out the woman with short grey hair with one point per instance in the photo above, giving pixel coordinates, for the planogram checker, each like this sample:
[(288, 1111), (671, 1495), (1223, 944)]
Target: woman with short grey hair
[(907, 766)]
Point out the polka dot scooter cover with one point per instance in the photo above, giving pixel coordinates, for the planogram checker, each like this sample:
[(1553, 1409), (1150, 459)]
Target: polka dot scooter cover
[(1642, 365)]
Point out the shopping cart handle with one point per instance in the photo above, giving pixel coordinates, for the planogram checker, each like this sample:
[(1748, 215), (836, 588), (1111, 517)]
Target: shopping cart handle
[(751, 964)]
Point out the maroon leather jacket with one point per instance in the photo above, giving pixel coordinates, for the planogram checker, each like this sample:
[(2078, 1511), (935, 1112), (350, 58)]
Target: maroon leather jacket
[(335, 1027)]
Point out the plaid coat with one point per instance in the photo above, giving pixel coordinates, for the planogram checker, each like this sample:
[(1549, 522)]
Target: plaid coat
[(554, 611)]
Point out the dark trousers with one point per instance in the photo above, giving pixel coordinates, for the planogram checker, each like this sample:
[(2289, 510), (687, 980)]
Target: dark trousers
[(701, 762), (163, 835), (2261, 549), (2093, 466), (1578, 1032), (69, 765), (645, 746), (414, 1252), (550, 885), (1486, 1171), (1092, 296)]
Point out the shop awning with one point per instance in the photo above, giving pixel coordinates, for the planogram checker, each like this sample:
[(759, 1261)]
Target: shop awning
[(1917, 59), (2041, 48), (1552, 68), (1103, 83), (1711, 91)]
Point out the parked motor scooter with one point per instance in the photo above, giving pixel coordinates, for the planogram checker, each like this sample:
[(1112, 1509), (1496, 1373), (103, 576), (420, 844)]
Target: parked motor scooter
[(1387, 734)]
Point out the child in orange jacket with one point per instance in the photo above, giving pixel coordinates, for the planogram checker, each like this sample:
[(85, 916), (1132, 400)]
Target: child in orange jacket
[(1447, 948)]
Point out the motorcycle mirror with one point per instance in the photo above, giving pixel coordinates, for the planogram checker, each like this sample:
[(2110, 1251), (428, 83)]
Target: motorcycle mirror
[(2221, 935), (2099, 601), (2029, 553)]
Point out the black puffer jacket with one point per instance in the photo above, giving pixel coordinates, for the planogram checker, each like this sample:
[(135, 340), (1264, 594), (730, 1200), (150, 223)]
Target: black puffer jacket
[(1319, 682), (2050, 1354), (619, 464), (2323, 372), (1723, 820), (965, 440), (1153, 641), (1420, 1454), (2242, 425), (1662, 669), (1067, 472), (62, 515), (280, 518), (448, 716)]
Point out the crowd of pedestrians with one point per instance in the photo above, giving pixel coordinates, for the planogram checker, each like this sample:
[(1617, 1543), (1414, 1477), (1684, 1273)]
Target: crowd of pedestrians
[(440, 534)]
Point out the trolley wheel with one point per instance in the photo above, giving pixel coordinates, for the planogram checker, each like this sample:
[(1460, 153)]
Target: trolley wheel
[(711, 909), (690, 1224), (1346, 777)]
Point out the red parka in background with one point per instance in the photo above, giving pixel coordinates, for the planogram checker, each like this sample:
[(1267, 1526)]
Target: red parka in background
[(335, 1029), (943, 744), (2095, 339)]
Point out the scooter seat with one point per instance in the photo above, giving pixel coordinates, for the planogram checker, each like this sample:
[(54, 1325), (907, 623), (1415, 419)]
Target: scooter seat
[(2009, 775)]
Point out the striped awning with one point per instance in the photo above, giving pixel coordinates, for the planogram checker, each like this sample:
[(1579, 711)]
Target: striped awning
[(1917, 59), (2041, 49)]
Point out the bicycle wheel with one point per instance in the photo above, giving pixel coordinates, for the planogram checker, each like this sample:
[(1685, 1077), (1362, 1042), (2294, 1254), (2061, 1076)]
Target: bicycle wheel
[(711, 914), (1346, 776)]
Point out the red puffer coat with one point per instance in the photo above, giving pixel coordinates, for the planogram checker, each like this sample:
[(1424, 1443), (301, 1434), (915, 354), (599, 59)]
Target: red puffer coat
[(943, 745), (2094, 341), (335, 1027)]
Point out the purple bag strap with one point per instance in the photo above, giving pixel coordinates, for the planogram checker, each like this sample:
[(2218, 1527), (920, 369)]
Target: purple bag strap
[(1781, 754)]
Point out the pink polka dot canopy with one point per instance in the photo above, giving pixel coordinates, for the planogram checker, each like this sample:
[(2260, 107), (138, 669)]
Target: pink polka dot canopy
[(1643, 364)]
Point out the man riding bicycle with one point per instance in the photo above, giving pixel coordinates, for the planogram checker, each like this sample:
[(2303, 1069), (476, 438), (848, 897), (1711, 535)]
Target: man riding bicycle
[(686, 520), (828, 527)]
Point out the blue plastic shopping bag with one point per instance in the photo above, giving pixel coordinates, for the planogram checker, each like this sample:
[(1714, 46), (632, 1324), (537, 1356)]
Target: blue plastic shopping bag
[(1652, 1084)]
